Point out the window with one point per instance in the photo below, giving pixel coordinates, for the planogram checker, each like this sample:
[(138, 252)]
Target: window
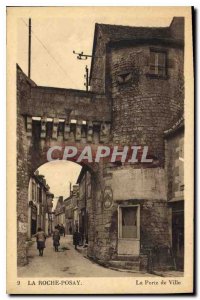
[(129, 222), (33, 191), (158, 63), (40, 194), (89, 193)]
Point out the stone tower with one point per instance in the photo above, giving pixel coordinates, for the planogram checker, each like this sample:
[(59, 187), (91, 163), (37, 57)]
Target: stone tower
[(141, 71)]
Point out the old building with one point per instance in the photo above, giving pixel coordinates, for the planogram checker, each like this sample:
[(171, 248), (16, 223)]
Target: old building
[(49, 215), (59, 212), (86, 227), (71, 210), (69, 215), (136, 94), (174, 141), (39, 205), (75, 203), (141, 71)]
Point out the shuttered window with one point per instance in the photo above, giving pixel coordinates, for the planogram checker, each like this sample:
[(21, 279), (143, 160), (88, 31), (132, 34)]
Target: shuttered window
[(158, 63)]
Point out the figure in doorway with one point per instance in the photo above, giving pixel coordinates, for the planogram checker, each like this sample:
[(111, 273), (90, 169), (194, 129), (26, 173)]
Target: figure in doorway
[(70, 229), (76, 238), (56, 238), (81, 236), (62, 230), (40, 238), (58, 227)]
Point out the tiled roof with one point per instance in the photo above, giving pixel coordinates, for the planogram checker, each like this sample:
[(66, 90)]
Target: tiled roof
[(119, 32), (124, 34)]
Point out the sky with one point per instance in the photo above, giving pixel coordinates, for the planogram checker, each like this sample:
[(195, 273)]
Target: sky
[(53, 63), (58, 175), (55, 34)]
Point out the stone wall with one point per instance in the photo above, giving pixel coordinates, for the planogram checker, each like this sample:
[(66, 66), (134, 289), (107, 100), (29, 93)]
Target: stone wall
[(23, 92), (174, 146), (154, 231), (142, 183), (98, 67), (144, 106), (154, 228), (86, 203), (106, 233), (90, 209), (68, 104)]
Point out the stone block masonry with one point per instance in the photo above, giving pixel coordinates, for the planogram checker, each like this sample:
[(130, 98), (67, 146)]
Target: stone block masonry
[(23, 93), (144, 106)]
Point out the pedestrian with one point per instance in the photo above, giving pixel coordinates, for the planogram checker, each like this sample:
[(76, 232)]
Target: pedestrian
[(62, 230), (70, 229), (76, 238), (81, 236), (56, 239), (58, 227), (40, 238)]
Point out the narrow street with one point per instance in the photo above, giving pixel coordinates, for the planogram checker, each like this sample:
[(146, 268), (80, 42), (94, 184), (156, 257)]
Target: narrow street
[(66, 263)]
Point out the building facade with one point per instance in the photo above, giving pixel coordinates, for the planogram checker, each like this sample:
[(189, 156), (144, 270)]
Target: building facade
[(72, 211), (40, 203), (174, 142), (141, 70), (86, 227), (59, 212), (69, 215)]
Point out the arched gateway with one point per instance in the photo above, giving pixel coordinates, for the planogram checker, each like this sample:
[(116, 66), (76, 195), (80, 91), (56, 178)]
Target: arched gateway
[(137, 92), (47, 117)]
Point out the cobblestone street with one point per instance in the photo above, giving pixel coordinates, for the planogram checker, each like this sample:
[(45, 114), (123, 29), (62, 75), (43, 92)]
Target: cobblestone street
[(66, 263)]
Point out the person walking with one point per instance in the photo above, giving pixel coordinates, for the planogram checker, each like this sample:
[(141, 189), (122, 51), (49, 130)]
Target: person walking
[(76, 238), (62, 230), (81, 236), (40, 238), (56, 239), (70, 230), (58, 227)]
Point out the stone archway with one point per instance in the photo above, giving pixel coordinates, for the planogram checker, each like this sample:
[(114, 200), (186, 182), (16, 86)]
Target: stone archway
[(31, 164), (44, 119)]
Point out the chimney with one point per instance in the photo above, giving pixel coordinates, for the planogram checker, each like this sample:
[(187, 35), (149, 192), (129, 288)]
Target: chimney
[(177, 28)]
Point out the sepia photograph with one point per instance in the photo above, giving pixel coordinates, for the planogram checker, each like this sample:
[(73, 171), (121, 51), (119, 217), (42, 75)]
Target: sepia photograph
[(102, 108)]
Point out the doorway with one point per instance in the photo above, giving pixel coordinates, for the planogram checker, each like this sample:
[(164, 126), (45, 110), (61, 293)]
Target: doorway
[(33, 220), (129, 230), (178, 238)]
